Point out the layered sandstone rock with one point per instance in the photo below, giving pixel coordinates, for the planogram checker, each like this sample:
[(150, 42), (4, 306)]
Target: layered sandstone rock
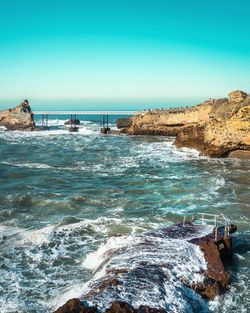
[(215, 127), (18, 118)]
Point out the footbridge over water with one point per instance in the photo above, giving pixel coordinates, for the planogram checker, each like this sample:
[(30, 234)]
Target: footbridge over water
[(73, 117)]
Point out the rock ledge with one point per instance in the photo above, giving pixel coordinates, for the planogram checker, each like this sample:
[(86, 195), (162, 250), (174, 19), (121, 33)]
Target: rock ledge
[(216, 127)]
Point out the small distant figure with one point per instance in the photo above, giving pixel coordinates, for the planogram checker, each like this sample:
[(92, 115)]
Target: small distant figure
[(25, 106)]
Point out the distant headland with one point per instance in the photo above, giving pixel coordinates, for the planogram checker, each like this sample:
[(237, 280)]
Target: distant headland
[(217, 127)]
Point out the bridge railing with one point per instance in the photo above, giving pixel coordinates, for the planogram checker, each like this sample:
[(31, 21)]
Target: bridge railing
[(85, 112)]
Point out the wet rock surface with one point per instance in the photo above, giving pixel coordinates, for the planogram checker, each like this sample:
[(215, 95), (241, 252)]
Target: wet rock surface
[(132, 270), (18, 118), (123, 122), (216, 127), (73, 122), (77, 306)]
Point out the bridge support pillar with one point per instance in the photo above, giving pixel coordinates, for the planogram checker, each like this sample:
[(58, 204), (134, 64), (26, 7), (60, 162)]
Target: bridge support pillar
[(105, 124), (73, 123), (45, 119)]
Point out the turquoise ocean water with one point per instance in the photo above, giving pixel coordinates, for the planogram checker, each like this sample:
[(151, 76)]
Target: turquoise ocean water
[(65, 196)]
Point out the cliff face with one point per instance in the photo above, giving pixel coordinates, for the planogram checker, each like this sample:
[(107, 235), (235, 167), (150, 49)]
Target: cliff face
[(215, 127), (18, 118)]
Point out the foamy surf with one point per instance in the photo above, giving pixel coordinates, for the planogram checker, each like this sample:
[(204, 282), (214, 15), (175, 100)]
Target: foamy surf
[(64, 195), (148, 270)]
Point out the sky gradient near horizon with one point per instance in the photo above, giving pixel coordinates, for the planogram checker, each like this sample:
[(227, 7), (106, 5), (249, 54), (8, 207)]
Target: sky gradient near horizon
[(122, 53)]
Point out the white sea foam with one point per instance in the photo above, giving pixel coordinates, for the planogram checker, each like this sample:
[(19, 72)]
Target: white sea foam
[(167, 262), (27, 165)]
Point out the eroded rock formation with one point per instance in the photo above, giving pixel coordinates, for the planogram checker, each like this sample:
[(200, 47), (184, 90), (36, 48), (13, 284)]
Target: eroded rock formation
[(152, 278), (18, 118), (215, 128)]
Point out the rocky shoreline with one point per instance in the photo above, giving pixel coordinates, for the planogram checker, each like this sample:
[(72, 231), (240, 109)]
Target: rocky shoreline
[(216, 128), (216, 279)]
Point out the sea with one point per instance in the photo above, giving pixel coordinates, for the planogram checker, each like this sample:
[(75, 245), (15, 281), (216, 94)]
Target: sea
[(68, 201)]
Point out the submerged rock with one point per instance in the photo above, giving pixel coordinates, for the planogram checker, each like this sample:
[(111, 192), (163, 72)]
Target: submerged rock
[(18, 118), (216, 127), (72, 122)]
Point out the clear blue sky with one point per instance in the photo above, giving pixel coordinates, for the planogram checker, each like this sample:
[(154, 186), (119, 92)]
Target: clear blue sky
[(122, 53)]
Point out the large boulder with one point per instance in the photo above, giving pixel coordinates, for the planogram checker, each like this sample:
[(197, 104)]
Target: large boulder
[(237, 96), (18, 118)]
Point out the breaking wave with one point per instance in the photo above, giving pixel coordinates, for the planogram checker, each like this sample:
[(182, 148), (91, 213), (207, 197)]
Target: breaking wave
[(148, 269)]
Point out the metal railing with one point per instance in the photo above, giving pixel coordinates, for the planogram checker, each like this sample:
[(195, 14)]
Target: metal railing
[(217, 221), (86, 112)]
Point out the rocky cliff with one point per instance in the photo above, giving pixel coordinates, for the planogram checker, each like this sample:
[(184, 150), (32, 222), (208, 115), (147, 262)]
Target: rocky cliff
[(18, 118), (217, 128)]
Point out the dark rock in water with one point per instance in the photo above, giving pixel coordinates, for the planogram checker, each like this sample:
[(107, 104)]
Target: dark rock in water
[(18, 118), (73, 129), (124, 122), (146, 309), (215, 252), (120, 307), (75, 306), (123, 307), (160, 271), (73, 122), (105, 130), (99, 288)]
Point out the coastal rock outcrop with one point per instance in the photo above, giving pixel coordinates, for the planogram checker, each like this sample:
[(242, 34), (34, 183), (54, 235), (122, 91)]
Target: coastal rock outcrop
[(216, 127), (18, 118), (76, 306), (156, 268)]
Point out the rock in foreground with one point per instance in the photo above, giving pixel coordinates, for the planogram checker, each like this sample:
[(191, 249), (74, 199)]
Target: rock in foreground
[(77, 306), (216, 127), (158, 271), (18, 118)]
